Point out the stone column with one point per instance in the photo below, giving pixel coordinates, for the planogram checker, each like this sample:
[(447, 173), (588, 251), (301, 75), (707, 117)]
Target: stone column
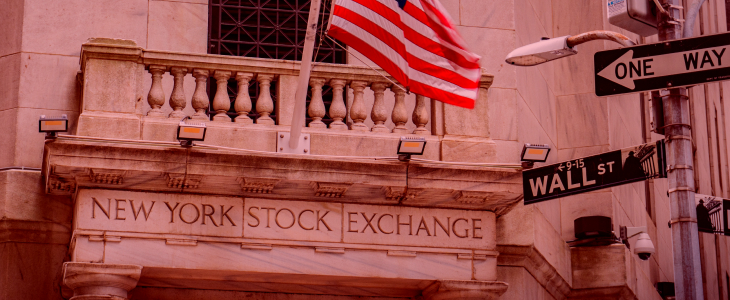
[(464, 290), (91, 281)]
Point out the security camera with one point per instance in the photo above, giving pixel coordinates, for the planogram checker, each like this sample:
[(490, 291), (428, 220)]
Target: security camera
[(540, 52), (644, 247)]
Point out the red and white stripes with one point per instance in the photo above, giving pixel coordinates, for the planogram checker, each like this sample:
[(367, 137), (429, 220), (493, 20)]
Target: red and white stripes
[(417, 44)]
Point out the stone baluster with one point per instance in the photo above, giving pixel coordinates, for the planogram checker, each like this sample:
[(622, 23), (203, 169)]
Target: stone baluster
[(338, 110), (156, 97), (200, 96), (243, 99), (358, 114), (379, 113), (420, 116), (316, 105), (400, 114), (100, 281), (264, 104), (221, 101), (177, 97)]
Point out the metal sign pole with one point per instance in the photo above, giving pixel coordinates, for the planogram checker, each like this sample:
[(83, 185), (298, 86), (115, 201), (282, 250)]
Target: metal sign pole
[(685, 237)]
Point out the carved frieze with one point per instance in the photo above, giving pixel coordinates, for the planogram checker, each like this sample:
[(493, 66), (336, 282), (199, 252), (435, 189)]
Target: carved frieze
[(102, 176), (258, 185), (471, 197), (61, 187), (400, 194), (183, 181), (330, 189)]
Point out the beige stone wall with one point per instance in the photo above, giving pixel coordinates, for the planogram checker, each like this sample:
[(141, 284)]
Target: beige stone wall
[(553, 103)]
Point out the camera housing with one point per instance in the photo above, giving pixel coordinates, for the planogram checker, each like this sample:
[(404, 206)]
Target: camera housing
[(644, 247)]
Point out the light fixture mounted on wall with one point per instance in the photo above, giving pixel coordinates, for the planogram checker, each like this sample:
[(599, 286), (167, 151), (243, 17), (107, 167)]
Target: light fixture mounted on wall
[(188, 132), (51, 125), (532, 153), (410, 146)]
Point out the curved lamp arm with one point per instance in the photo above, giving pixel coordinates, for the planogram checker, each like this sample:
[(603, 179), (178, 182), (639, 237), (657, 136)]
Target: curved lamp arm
[(599, 35), (559, 47)]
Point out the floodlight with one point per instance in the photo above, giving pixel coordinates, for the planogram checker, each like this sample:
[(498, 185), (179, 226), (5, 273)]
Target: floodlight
[(187, 132), (535, 152), (410, 146), (51, 125), (540, 52)]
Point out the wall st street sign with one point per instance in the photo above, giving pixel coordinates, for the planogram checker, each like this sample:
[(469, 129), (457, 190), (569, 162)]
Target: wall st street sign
[(594, 172), (662, 65)]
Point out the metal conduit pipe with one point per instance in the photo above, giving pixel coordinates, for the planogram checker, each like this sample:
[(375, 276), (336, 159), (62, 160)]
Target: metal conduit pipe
[(599, 35), (689, 23)]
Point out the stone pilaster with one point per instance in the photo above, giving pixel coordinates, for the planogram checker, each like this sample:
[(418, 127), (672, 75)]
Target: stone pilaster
[(100, 281), (464, 290)]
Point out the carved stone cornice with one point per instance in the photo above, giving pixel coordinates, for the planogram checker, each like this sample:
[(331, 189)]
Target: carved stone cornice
[(151, 166), (101, 176)]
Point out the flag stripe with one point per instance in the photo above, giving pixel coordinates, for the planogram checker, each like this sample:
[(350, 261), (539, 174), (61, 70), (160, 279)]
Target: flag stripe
[(418, 45), (373, 54), (421, 60), (416, 32)]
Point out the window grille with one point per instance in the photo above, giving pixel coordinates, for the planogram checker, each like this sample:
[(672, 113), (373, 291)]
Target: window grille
[(273, 29)]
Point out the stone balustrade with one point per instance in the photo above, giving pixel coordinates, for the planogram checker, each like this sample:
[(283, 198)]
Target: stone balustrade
[(145, 93), (338, 77)]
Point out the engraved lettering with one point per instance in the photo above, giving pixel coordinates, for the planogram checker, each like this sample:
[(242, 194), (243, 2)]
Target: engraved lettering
[(224, 213), (474, 228), (368, 222), (172, 211), (321, 220), (209, 215), (422, 225), (350, 221), (379, 225), (300, 219), (410, 224), (276, 218), (446, 229), (268, 209), (197, 213), (141, 208), (116, 215), (258, 222), (453, 227), (105, 211)]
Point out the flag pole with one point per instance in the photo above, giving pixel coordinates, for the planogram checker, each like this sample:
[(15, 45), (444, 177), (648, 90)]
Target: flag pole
[(300, 97)]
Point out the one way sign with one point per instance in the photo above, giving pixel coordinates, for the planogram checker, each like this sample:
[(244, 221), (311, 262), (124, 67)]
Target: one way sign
[(663, 65)]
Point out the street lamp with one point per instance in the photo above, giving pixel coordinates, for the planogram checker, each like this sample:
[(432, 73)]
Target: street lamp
[(559, 47)]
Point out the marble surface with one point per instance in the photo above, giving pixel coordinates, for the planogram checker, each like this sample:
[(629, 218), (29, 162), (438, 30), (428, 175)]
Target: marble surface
[(159, 213)]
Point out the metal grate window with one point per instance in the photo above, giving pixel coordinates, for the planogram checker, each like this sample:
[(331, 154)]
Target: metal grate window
[(272, 29)]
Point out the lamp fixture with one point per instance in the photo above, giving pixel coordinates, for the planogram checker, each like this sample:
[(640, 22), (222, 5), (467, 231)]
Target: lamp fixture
[(548, 49), (410, 146), (187, 132), (51, 125), (532, 153)]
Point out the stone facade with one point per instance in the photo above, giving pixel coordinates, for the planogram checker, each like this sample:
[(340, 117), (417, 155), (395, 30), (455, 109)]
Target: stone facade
[(119, 210)]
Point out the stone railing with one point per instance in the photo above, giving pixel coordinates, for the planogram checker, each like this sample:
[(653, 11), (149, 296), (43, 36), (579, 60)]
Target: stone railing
[(336, 76), (117, 77)]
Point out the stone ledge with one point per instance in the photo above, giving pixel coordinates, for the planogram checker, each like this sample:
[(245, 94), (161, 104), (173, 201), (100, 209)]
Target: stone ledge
[(69, 163)]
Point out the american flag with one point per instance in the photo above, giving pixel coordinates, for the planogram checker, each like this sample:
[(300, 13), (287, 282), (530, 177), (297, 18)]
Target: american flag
[(413, 40)]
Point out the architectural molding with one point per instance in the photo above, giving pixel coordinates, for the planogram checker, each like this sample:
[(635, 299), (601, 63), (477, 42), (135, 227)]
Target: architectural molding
[(530, 258), (100, 281)]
